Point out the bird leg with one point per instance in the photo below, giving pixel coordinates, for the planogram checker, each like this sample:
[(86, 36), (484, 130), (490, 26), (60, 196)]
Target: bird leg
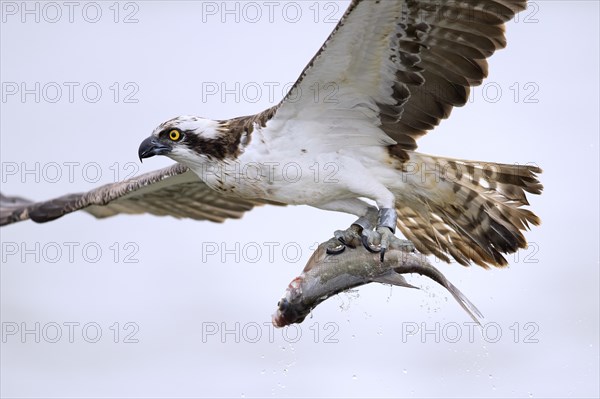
[(352, 236), (361, 231), (386, 228)]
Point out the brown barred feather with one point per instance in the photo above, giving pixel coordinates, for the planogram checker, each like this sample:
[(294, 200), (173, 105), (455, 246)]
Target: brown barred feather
[(470, 210)]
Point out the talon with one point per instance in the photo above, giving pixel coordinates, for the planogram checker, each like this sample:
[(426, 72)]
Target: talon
[(386, 228), (334, 247), (336, 250), (347, 237), (339, 235), (386, 236), (371, 248)]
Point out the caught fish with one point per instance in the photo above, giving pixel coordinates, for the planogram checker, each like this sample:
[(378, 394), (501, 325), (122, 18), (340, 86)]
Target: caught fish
[(332, 271)]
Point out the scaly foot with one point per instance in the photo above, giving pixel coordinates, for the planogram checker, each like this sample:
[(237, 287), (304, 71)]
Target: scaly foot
[(344, 238), (352, 236), (380, 239), (349, 237), (386, 236), (361, 231), (334, 247)]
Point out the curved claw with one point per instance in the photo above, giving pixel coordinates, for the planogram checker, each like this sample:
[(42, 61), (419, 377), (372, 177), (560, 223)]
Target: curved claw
[(347, 237), (365, 241), (335, 251), (341, 239), (386, 237)]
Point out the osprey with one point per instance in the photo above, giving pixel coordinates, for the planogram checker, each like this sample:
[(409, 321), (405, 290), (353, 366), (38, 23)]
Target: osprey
[(398, 69)]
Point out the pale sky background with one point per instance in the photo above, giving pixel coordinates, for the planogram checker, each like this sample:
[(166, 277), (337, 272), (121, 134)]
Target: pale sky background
[(540, 105)]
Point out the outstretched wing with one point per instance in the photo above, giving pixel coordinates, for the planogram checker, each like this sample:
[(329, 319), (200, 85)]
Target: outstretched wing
[(400, 65), (174, 191)]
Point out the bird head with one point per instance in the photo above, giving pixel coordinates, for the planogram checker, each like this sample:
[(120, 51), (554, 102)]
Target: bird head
[(188, 140)]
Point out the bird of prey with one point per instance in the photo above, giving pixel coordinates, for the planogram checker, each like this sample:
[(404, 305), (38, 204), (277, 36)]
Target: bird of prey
[(398, 68)]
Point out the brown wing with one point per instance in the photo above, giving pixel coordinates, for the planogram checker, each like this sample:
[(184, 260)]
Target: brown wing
[(174, 191), (401, 65)]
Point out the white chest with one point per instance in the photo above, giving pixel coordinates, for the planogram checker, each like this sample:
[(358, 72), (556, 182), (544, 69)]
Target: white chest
[(295, 170), (303, 179)]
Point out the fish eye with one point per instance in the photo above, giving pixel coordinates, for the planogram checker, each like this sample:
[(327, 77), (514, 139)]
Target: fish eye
[(175, 135)]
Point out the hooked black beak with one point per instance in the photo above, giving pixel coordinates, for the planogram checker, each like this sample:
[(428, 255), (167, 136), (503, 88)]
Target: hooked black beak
[(151, 147)]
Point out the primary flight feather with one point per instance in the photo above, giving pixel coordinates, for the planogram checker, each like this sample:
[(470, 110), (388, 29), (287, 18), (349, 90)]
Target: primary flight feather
[(396, 69)]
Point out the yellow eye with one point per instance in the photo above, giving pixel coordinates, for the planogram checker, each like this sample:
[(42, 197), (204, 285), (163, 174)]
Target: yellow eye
[(174, 135)]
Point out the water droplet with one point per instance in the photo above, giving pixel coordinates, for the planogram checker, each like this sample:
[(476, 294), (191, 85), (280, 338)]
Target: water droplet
[(490, 376), (263, 371), (242, 395), (354, 377), (530, 395), (405, 371)]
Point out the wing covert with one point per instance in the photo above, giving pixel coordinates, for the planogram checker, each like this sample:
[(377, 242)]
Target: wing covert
[(399, 65), (174, 191)]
